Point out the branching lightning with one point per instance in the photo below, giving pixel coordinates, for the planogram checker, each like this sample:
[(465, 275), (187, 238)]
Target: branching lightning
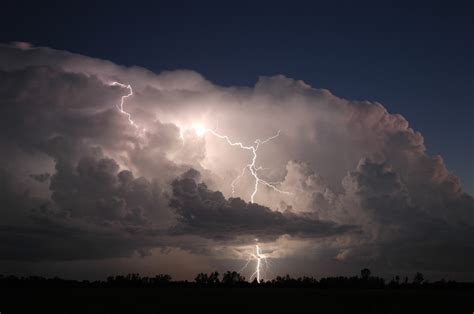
[(251, 166), (201, 131), (259, 257)]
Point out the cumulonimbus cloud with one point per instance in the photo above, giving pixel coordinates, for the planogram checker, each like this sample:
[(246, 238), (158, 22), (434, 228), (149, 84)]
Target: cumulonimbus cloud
[(70, 158)]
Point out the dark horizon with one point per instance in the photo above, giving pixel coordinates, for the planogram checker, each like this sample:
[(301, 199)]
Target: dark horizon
[(364, 280), (210, 293)]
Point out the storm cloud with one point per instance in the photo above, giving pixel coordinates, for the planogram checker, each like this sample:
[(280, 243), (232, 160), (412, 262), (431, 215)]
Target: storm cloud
[(80, 182), (209, 214)]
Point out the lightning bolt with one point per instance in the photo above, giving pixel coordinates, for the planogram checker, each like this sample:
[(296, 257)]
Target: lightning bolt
[(251, 166), (253, 149), (122, 101), (258, 257)]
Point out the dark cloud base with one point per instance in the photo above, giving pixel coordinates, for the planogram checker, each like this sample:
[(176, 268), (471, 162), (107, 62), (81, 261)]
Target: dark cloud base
[(209, 214)]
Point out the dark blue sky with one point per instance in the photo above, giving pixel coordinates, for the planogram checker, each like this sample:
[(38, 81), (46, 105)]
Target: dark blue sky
[(415, 58)]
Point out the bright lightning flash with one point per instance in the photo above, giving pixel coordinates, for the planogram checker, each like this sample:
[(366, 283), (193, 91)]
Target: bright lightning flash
[(122, 101), (251, 167), (200, 131), (258, 256)]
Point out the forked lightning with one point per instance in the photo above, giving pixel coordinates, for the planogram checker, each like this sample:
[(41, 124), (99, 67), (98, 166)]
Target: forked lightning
[(251, 167)]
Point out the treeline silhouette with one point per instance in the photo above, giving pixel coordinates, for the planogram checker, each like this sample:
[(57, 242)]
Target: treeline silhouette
[(234, 279)]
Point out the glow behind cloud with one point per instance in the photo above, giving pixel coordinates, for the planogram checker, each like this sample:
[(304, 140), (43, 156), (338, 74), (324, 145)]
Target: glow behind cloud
[(363, 187)]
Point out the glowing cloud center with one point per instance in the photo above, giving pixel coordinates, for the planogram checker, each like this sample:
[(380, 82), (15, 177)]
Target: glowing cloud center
[(200, 131), (251, 167)]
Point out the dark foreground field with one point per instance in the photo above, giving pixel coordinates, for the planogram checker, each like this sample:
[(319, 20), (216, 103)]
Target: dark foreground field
[(232, 300)]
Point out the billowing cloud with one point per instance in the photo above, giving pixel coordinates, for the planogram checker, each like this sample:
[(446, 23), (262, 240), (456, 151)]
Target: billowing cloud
[(80, 182), (209, 214)]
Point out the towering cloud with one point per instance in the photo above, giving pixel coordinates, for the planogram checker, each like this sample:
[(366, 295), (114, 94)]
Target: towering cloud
[(79, 182)]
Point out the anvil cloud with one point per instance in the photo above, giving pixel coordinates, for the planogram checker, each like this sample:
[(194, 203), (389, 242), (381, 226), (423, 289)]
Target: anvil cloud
[(79, 183)]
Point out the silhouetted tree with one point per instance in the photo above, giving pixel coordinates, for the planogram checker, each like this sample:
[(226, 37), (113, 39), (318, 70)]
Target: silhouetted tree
[(235, 279), (205, 279), (365, 273), (214, 278), (201, 279), (418, 279), (232, 278), (395, 282), (162, 279)]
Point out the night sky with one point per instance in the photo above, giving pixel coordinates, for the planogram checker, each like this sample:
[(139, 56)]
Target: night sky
[(363, 190)]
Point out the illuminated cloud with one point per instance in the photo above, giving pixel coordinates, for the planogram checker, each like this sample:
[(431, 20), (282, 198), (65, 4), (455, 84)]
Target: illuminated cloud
[(79, 181)]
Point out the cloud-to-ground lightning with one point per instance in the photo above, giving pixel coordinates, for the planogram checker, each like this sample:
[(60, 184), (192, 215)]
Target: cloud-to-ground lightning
[(258, 256)]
